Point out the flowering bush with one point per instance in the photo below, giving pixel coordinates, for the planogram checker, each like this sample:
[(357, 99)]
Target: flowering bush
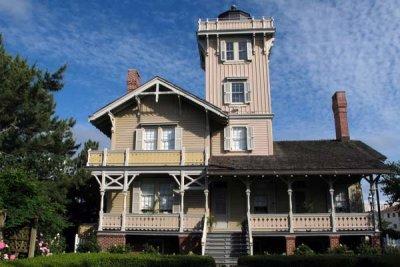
[(43, 247), (5, 253)]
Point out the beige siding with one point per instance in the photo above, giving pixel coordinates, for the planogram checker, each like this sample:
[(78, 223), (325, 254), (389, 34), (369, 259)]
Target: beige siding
[(255, 70), (166, 110), (236, 204), (262, 138), (115, 202)]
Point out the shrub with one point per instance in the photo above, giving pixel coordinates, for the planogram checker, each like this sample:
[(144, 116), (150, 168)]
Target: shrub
[(304, 250), (340, 250), (319, 260), (89, 244), (365, 249), (150, 249), (392, 251), (120, 249), (115, 260)]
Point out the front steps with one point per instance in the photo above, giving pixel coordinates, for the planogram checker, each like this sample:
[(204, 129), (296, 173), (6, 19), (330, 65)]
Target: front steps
[(226, 247)]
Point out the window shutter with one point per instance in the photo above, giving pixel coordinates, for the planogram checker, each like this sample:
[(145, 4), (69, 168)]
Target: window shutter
[(250, 143), (222, 50), (139, 139), (226, 87), (249, 50), (135, 197), (247, 92), (227, 138), (178, 138)]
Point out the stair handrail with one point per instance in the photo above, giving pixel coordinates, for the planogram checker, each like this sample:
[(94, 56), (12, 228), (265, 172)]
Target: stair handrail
[(204, 236), (250, 233)]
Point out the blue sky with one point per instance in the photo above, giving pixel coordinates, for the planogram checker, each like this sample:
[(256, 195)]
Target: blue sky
[(320, 47)]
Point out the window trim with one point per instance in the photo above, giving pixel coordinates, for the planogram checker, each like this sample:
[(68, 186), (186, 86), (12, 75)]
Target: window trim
[(159, 135)]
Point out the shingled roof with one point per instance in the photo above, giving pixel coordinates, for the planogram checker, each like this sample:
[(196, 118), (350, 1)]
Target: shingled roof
[(306, 157)]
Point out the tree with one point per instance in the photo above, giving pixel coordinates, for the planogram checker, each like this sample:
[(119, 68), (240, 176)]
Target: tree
[(391, 183), (34, 141)]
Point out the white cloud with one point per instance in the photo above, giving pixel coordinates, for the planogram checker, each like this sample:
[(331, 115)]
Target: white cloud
[(17, 9)]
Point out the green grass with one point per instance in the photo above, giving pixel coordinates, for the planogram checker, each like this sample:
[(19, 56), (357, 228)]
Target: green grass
[(115, 260)]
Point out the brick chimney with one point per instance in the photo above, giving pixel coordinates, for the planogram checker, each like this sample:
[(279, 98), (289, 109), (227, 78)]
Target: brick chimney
[(339, 107), (132, 80)]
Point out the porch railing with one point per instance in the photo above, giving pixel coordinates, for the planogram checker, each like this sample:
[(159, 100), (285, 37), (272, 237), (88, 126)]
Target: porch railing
[(311, 222), (146, 157), (193, 222), (163, 222)]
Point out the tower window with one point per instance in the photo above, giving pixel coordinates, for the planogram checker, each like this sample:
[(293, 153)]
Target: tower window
[(239, 139), (238, 92), (236, 50), (230, 52), (242, 50)]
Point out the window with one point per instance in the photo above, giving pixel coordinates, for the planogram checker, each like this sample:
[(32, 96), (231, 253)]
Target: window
[(341, 204), (168, 138), (230, 53), (394, 215), (150, 139), (242, 50), (239, 139), (395, 226), (388, 215), (147, 197), (166, 195), (260, 204), (238, 92)]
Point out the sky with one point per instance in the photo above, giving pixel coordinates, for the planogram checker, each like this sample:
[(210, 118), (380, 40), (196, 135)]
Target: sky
[(320, 47)]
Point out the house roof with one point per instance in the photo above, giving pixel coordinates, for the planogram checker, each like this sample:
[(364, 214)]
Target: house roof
[(306, 157), (178, 90)]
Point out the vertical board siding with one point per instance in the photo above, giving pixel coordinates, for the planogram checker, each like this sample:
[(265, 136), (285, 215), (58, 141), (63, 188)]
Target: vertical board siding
[(191, 119), (261, 138), (255, 70)]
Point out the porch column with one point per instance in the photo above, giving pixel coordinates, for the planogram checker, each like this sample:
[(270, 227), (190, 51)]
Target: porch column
[(206, 201), (101, 212), (333, 212), (248, 197), (372, 193), (182, 192), (291, 230), (123, 222)]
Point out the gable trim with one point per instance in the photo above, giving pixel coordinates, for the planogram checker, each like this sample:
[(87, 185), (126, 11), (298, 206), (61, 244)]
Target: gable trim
[(156, 81)]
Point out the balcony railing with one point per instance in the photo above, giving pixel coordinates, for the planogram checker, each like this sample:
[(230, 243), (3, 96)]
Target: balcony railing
[(244, 24), (147, 158), (311, 222), (152, 222)]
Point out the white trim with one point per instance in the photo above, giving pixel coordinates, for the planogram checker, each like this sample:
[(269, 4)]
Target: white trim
[(252, 116), (152, 82)]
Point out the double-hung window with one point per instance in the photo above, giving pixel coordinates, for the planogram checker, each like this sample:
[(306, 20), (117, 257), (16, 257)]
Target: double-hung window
[(147, 202), (168, 138), (230, 51), (242, 47), (239, 138), (166, 197), (341, 204), (238, 92), (150, 138), (236, 50)]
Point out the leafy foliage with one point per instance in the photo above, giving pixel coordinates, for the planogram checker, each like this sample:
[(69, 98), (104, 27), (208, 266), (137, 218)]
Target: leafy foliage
[(116, 260), (304, 250), (391, 183)]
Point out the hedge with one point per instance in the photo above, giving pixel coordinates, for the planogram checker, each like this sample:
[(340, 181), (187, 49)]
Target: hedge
[(322, 260), (115, 260)]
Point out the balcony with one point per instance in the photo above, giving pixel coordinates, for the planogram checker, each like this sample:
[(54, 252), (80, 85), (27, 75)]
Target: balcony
[(215, 25), (147, 158), (311, 222)]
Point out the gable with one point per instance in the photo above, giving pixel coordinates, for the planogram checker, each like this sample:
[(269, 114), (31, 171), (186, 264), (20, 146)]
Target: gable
[(155, 88)]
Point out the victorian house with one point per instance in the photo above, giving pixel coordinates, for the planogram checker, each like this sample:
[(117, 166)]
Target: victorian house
[(205, 175)]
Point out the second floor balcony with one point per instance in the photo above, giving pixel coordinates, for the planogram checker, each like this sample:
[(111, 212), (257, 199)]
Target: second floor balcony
[(128, 157)]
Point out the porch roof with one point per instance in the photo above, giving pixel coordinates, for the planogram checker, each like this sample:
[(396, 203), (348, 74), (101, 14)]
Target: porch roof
[(306, 157)]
